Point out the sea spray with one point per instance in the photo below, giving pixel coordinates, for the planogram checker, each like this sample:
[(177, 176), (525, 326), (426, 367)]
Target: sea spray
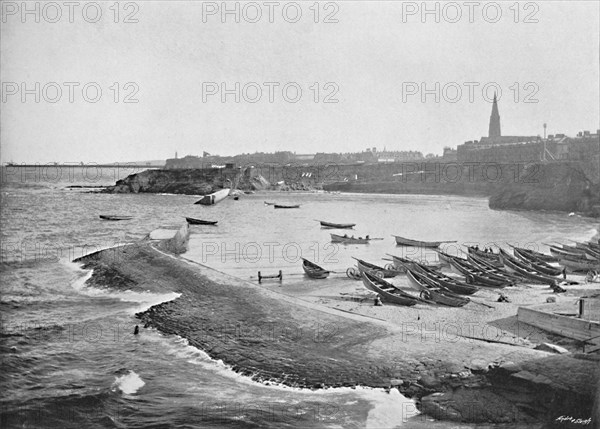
[(129, 383)]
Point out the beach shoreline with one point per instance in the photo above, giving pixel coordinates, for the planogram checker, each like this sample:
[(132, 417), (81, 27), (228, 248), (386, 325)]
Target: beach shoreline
[(294, 336)]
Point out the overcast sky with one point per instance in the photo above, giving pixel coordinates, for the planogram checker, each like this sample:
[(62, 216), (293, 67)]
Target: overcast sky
[(375, 61)]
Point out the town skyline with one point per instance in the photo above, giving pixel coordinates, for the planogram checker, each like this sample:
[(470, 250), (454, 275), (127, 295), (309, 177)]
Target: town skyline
[(206, 81)]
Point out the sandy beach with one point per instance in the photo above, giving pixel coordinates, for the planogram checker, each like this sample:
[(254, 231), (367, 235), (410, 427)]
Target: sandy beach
[(475, 363)]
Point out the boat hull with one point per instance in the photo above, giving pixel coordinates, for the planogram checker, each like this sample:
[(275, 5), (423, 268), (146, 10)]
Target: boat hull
[(214, 198)]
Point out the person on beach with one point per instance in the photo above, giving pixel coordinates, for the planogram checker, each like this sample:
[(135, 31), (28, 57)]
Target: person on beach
[(378, 301), (564, 273), (503, 298), (136, 330)]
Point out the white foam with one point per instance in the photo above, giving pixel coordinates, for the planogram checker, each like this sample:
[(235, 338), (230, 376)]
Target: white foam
[(129, 383), (144, 299), (390, 409)]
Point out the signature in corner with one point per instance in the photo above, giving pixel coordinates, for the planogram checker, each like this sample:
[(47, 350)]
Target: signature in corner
[(574, 420)]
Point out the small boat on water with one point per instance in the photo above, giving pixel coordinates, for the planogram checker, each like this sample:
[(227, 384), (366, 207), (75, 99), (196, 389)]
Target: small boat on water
[(193, 221), (336, 238), (214, 198), (386, 272), (336, 225), (402, 241), (115, 217), (267, 203), (314, 271), (286, 206), (388, 293)]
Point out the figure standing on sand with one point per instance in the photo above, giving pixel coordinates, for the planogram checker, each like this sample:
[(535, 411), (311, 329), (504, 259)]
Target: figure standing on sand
[(377, 302), (564, 273), (136, 330)]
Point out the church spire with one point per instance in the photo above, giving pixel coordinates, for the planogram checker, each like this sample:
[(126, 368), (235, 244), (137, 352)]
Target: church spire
[(494, 130)]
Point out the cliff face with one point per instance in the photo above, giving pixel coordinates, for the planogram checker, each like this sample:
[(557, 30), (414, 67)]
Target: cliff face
[(189, 182), (556, 186)]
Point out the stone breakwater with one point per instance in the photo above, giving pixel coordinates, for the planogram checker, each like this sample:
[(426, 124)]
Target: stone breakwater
[(272, 337)]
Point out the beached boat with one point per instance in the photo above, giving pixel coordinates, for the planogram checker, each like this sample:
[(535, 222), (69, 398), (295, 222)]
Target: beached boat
[(214, 198), (115, 217), (525, 270), (489, 267), (432, 290), (387, 292), (448, 282), (314, 271), (404, 263), (477, 276), (286, 206), (573, 252), (538, 265), (483, 254), (194, 221), (402, 241), (337, 225), (579, 265), (367, 266), (336, 238), (537, 255)]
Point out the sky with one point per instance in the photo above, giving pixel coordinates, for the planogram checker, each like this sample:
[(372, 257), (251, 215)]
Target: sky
[(131, 81)]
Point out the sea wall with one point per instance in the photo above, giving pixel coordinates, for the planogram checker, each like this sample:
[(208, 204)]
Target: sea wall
[(272, 337)]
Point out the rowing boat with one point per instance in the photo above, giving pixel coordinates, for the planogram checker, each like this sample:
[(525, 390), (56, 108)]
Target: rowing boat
[(337, 225), (524, 270), (286, 206), (269, 204), (401, 262), (446, 281), (115, 217), (194, 221), (214, 198), (314, 271), (387, 292), (495, 257), (477, 276), (433, 291), (367, 266), (560, 252), (538, 265), (578, 264), (537, 255), (336, 238), (402, 241)]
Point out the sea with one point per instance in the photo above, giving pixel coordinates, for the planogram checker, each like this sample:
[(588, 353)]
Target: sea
[(69, 356)]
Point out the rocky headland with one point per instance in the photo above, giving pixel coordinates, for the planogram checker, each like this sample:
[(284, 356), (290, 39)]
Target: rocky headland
[(275, 337), (556, 186)]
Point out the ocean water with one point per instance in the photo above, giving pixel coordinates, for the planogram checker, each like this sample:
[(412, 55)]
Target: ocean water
[(68, 354)]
